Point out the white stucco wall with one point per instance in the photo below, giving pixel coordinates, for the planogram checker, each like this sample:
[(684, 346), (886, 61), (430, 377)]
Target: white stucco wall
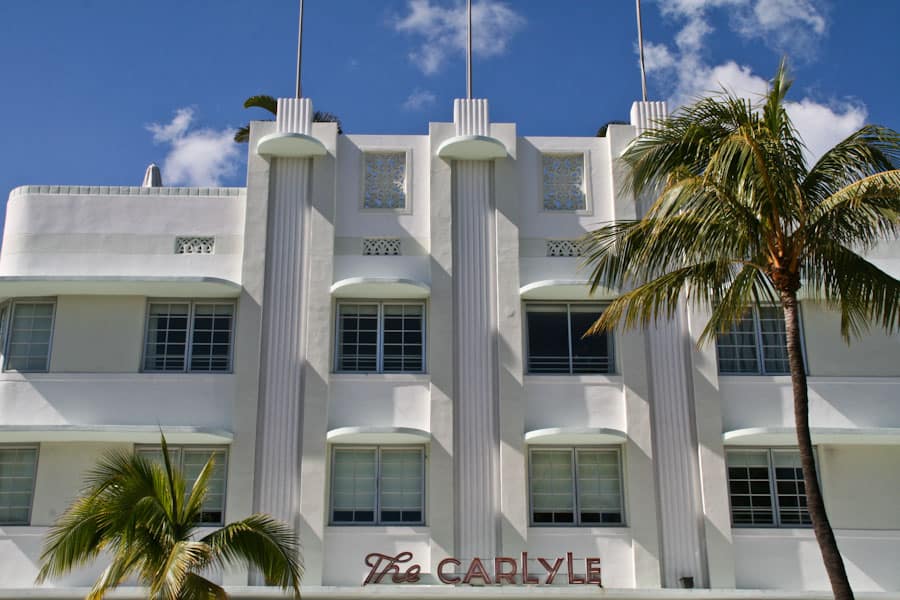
[(829, 355), (380, 400), (574, 401), (98, 334), (84, 231)]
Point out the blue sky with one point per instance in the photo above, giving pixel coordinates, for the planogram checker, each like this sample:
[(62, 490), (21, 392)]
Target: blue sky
[(94, 90)]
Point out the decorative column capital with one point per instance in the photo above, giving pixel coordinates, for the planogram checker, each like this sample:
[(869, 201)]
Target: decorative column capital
[(645, 115), (293, 131)]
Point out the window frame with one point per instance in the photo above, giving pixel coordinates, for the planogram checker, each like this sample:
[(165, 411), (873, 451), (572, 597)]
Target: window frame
[(758, 346), (189, 342), (378, 449), (37, 458), (773, 486), (576, 522), (379, 336), (6, 325), (225, 449), (526, 339)]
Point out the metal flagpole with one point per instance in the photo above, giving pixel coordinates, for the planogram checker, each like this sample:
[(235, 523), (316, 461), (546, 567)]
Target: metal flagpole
[(299, 48), (641, 51), (469, 50)]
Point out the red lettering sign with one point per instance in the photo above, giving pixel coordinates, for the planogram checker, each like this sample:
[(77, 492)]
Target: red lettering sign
[(506, 570)]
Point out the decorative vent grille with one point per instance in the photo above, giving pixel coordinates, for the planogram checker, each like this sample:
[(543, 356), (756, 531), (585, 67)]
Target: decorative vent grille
[(381, 247), (563, 248), (385, 180), (195, 245), (563, 182)]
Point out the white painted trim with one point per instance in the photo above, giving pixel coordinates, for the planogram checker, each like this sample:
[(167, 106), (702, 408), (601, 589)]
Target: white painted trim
[(575, 436), (472, 147), (377, 288), (779, 436), (19, 286), (290, 145), (378, 435), (139, 434)]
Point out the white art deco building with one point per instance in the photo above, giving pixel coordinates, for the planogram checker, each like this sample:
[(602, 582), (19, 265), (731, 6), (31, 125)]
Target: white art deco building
[(380, 339)]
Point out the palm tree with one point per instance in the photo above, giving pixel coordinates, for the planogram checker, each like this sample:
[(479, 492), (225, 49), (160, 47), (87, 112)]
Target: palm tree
[(270, 104), (738, 218), (142, 513)]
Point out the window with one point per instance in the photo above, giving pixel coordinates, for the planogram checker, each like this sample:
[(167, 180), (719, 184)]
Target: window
[(18, 465), (190, 460), (563, 178), (377, 486), (27, 335), (555, 344), (576, 486), (384, 180), (766, 488), (380, 338), (189, 336), (756, 345)]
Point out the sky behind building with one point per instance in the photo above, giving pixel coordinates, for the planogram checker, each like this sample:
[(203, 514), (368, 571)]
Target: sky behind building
[(97, 89)]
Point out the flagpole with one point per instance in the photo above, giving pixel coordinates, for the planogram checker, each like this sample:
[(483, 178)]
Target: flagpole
[(299, 49), (641, 51), (469, 50)]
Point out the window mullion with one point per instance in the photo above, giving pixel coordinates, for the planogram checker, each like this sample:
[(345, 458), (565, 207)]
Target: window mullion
[(757, 331), (575, 503), (773, 489), (379, 341), (569, 334), (189, 342), (377, 507)]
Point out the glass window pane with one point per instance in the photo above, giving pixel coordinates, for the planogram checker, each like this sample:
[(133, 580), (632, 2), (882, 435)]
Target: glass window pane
[(774, 340), (29, 336), (402, 338), (749, 487), (211, 337), (736, 348), (353, 486), (17, 472), (358, 333), (552, 487), (599, 486), (166, 342), (590, 354), (790, 489), (402, 485), (548, 338)]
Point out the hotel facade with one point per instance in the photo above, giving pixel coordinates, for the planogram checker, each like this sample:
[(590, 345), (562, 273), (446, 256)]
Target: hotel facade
[(379, 339)]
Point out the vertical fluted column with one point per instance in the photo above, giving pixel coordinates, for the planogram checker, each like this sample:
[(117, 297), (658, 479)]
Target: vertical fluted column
[(277, 481), (476, 425), (674, 425)]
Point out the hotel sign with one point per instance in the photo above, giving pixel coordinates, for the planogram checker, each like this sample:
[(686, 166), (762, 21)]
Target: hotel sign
[(506, 570)]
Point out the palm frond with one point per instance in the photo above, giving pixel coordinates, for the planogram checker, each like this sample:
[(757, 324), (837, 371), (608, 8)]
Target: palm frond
[(262, 542), (196, 587), (184, 557), (262, 101), (242, 135)]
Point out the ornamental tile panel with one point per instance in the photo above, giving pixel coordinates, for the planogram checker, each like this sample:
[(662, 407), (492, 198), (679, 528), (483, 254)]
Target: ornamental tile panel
[(381, 247), (563, 248), (195, 245), (385, 180), (563, 176)]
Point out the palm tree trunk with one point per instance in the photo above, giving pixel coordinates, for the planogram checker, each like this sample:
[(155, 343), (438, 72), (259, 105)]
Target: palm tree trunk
[(831, 556)]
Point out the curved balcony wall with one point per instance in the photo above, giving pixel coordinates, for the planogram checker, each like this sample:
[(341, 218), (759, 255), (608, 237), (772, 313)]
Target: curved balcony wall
[(78, 231)]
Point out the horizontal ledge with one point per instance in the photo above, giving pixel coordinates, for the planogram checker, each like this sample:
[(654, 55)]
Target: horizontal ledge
[(12, 286), (380, 287), (575, 435), (417, 591), (472, 147), (141, 434), (557, 289), (290, 145), (378, 435), (776, 436)]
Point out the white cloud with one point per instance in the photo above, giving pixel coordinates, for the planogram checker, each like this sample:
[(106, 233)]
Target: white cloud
[(419, 99), (779, 23), (442, 30), (198, 157), (657, 57), (821, 126)]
